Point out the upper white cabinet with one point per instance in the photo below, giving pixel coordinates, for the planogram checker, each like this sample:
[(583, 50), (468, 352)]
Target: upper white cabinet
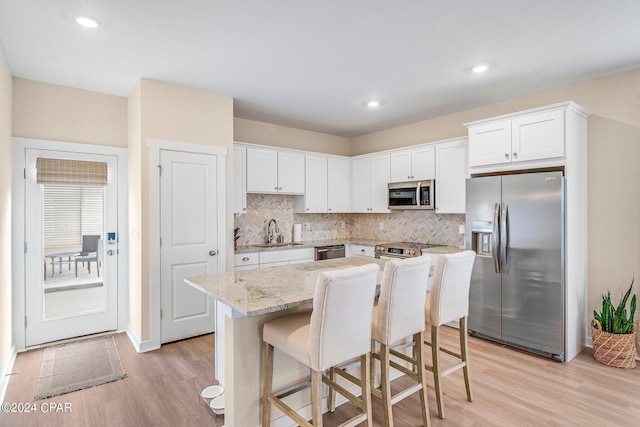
[(316, 187), (339, 185), (370, 176), (239, 180), (273, 171), (327, 187), (533, 138), (413, 164), (451, 175)]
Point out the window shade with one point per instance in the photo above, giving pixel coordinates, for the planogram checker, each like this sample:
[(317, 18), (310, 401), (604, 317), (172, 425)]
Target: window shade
[(70, 172), (70, 211)]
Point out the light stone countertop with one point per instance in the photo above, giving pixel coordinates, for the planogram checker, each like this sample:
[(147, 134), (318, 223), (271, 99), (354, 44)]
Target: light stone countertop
[(267, 290), (307, 244)]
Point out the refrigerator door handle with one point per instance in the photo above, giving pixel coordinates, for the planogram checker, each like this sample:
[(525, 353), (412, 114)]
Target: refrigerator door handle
[(504, 238), (495, 243)]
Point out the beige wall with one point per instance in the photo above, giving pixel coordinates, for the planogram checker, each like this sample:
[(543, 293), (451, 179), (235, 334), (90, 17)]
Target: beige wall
[(613, 154), (175, 113), (281, 136), (6, 330), (60, 113)]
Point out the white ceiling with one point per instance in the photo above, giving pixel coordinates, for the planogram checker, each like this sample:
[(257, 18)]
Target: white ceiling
[(311, 64)]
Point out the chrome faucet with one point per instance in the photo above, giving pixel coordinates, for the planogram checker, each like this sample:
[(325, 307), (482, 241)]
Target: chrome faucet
[(272, 230)]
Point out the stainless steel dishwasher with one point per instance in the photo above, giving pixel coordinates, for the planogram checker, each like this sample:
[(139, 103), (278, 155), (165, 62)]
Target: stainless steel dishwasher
[(329, 252)]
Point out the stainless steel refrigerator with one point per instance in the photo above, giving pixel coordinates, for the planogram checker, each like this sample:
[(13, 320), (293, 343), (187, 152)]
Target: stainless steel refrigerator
[(515, 224)]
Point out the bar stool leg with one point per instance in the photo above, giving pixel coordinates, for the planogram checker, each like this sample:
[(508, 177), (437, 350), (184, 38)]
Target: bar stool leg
[(267, 381), (418, 339), (464, 334), (316, 398), (435, 357), (365, 368), (331, 396), (385, 384)]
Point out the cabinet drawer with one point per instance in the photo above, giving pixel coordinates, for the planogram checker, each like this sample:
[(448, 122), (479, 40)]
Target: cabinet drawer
[(286, 255), (248, 258), (361, 250)]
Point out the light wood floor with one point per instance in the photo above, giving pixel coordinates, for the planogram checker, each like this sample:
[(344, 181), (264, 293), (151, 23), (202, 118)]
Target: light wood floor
[(510, 388)]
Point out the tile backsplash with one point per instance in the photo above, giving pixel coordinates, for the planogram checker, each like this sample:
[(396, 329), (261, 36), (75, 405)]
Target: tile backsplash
[(415, 226)]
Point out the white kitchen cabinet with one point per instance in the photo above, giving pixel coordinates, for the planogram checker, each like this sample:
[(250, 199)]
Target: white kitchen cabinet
[(327, 186), (413, 164), (274, 258), (246, 261), (451, 175), (370, 176), (274, 172), (529, 137), (361, 250), (338, 185), (239, 180), (315, 192)]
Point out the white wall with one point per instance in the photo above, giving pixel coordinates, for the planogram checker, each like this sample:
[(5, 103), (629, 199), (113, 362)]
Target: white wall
[(6, 326)]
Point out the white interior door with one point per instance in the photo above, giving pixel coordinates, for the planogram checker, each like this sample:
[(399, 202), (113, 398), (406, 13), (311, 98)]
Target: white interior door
[(189, 241), (69, 294)]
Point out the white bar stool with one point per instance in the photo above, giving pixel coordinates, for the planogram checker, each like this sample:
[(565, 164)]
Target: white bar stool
[(338, 329), (450, 301), (400, 315)]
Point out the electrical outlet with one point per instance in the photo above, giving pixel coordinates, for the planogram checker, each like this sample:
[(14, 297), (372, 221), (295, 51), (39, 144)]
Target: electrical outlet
[(307, 226), (381, 225), (342, 224)]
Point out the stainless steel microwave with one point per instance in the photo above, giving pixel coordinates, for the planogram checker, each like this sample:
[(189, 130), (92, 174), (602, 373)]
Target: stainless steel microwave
[(411, 195)]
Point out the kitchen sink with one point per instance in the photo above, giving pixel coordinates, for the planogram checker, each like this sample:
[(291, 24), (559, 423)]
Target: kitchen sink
[(277, 245)]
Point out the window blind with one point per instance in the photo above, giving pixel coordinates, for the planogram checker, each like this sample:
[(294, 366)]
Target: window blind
[(70, 172), (70, 211)]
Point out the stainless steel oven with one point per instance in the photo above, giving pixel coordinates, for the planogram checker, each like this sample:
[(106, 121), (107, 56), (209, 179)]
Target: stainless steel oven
[(401, 249)]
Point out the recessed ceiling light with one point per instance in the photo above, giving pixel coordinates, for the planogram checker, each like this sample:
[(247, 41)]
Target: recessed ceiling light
[(480, 68), (87, 21), (373, 103)]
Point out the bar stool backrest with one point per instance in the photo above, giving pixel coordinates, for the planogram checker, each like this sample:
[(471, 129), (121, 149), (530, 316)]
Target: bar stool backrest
[(340, 327), (450, 290), (402, 295)]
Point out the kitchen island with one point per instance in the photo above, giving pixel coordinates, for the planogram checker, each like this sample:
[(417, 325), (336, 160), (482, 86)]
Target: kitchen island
[(245, 300)]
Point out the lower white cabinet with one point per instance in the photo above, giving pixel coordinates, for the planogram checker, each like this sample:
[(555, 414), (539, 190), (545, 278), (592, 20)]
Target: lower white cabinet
[(361, 250), (286, 256), (246, 261)]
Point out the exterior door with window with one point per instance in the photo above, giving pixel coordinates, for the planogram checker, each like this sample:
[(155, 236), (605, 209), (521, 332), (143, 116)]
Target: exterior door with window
[(71, 245)]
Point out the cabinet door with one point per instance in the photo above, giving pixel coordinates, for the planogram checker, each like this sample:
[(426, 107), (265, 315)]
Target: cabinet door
[(400, 164), (539, 136), (239, 180), (262, 170), (361, 185), (451, 175), (315, 194), (380, 166), (339, 185), (423, 163), (290, 173), (490, 143)]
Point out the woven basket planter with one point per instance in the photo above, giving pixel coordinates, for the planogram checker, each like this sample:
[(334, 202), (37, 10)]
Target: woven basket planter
[(618, 350)]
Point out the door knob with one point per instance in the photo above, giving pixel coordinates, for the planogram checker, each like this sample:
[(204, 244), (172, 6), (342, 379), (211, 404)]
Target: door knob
[(212, 253)]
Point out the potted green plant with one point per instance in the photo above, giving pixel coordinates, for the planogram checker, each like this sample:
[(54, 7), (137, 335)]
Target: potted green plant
[(613, 333)]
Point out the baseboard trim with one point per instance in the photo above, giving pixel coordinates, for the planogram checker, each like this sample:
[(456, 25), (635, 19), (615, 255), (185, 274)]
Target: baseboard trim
[(141, 346), (6, 373)]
